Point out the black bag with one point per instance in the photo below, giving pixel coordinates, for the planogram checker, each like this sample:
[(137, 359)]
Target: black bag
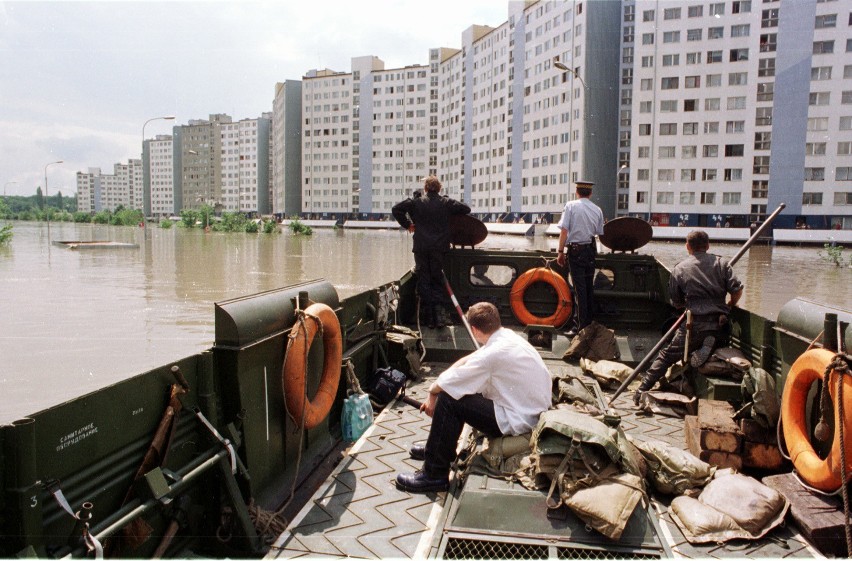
[(385, 384)]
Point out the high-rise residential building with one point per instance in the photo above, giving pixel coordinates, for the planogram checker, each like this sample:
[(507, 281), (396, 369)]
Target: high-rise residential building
[(158, 163), (97, 191), (737, 107), (222, 163), (89, 190), (286, 149)]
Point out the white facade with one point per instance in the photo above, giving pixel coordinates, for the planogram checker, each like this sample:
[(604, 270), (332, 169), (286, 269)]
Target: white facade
[(88, 190), (161, 173), (123, 188)]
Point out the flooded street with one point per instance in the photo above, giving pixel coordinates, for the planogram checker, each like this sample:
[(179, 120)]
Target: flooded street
[(78, 320)]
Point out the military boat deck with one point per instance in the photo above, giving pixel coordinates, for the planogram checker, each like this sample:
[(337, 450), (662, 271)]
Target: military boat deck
[(359, 512)]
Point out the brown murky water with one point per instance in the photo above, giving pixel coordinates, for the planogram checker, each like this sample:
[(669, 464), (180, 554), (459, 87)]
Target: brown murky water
[(75, 321)]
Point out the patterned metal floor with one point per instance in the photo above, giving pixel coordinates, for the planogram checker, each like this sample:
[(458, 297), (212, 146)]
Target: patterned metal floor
[(360, 513)]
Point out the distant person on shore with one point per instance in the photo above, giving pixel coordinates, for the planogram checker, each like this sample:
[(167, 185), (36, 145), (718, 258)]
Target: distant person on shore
[(427, 216), (700, 283), (581, 221), (500, 389)]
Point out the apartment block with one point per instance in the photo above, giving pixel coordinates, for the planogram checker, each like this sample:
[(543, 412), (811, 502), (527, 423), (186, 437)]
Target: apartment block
[(89, 190), (222, 163), (97, 191), (737, 107), (286, 149), (158, 164)]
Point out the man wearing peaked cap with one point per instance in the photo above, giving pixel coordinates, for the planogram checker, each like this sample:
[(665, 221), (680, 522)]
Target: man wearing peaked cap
[(581, 221)]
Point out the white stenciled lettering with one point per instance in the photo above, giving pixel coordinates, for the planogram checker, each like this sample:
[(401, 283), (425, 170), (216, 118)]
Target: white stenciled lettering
[(76, 436), (137, 411)]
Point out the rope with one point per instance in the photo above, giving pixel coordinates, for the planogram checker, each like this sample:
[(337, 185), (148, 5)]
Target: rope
[(839, 365)]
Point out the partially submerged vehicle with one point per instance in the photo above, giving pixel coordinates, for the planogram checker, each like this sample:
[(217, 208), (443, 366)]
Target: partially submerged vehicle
[(237, 451)]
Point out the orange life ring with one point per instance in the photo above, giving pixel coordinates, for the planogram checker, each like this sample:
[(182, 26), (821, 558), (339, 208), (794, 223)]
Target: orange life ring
[(310, 413), (564, 305), (821, 474)]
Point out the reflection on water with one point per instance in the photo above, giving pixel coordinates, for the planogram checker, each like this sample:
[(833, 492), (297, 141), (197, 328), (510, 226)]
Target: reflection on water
[(77, 320)]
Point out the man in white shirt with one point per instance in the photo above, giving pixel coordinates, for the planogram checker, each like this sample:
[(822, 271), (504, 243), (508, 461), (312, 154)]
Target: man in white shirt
[(581, 221), (499, 389)]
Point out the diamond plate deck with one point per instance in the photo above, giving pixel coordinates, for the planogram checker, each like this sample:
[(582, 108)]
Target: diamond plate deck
[(359, 512)]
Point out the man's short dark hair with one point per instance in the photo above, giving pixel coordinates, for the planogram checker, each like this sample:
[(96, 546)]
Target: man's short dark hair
[(698, 240), (584, 191), (484, 316)]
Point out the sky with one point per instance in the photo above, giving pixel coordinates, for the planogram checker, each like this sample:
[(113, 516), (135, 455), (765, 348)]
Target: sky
[(78, 80)]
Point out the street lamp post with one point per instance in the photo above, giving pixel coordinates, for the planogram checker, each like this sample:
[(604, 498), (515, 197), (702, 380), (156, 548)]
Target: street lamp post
[(564, 68), (46, 205), (146, 203)]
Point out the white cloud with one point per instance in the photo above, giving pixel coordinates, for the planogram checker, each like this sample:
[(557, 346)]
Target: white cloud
[(78, 79)]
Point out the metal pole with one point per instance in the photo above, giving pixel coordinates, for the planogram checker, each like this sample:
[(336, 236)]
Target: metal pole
[(640, 368), (46, 203), (458, 309)]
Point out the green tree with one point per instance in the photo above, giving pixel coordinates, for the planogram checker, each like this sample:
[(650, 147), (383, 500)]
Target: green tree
[(5, 234), (39, 198), (59, 202)]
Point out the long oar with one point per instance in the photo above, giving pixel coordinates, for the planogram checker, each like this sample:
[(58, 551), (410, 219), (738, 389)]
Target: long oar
[(640, 368), (458, 308)]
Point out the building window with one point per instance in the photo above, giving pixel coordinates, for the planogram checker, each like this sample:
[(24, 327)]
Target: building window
[(738, 55), (714, 56), (763, 117), (671, 83), (668, 129), (710, 151), (690, 129), (668, 106), (644, 130), (737, 102), (823, 47), (693, 58), (843, 199), (733, 127), (844, 148), (715, 32), (671, 60), (846, 123), (760, 189), (765, 91), (717, 9), (711, 127), (761, 165), (644, 152), (762, 140), (687, 197), (665, 175), (843, 174), (820, 73), (734, 150), (740, 30), (815, 149), (693, 34), (641, 196), (714, 80), (666, 152), (811, 198), (647, 38), (708, 174), (769, 18), (692, 82), (731, 198), (766, 67), (827, 20), (688, 152), (690, 104), (687, 175), (648, 15), (646, 106), (819, 98), (671, 13), (768, 42), (695, 11), (643, 175), (846, 97), (814, 174), (740, 6), (738, 78), (671, 37), (648, 61), (665, 197), (817, 123), (708, 198), (646, 84)]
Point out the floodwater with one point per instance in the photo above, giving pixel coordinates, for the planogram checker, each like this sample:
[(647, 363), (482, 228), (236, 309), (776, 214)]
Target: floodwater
[(74, 321)]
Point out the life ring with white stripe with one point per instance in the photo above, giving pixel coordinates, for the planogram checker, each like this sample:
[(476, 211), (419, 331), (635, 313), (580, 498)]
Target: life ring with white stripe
[(310, 413), (564, 304)]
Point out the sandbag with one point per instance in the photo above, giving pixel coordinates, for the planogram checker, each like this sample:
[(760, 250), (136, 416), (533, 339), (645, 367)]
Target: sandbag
[(594, 342), (571, 390), (758, 387), (608, 373), (732, 506), (405, 348), (496, 450), (673, 471), (725, 362), (606, 504)]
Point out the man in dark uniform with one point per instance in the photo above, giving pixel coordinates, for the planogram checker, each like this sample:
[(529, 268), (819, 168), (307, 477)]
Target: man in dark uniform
[(700, 283), (428, 218), (581, 221)]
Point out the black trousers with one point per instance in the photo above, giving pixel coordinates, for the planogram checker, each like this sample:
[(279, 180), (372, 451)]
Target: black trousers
[(581, 263), (447, 423), (674, 351), (429, 266)]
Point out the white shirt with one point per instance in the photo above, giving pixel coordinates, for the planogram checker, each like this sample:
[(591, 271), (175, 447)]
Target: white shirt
[(508, 371), (583, 220)]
